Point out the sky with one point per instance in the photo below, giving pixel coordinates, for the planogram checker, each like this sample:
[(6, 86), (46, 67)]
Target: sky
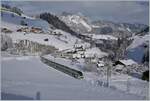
[(116, 11)]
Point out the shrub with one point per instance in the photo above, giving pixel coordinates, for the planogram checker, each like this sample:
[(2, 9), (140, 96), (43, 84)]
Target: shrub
[(145, 75)]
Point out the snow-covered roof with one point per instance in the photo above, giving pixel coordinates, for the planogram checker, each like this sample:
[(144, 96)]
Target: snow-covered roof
[(128, 62), (84, 45)]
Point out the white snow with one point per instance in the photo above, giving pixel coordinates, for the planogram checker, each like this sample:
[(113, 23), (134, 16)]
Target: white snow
[(95, 26), (10, 26), (29, 76), (91, 52), (121, 82), (86, 25), (129, 29)]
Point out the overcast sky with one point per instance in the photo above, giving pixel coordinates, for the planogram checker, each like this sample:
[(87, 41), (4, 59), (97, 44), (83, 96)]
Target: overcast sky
[(117, 11)]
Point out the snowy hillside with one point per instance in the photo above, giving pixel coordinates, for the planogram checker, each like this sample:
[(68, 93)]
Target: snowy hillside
[(12, 21), (61, 43), (13, 18)]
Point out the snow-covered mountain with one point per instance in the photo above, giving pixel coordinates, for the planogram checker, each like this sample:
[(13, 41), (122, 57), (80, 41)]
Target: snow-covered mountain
[(116, 29), (77, 22), (81, 24)]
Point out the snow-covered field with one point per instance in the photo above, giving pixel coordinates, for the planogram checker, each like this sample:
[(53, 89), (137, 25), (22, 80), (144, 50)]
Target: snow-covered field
[(28, 76)]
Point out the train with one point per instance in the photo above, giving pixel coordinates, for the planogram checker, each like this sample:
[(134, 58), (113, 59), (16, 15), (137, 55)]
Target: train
[(76, 73)]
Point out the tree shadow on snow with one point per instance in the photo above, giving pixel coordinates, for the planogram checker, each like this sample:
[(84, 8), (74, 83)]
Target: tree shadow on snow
[(9, 96)]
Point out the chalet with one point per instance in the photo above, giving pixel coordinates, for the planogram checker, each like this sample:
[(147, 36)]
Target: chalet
[(127, 62), (69, 51), (122, 65), (36, 30), (56, 32), (100, 64), (23, 29), (76, 56)]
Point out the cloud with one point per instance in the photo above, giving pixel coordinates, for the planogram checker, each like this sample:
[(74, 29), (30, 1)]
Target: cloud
[(118, 11)]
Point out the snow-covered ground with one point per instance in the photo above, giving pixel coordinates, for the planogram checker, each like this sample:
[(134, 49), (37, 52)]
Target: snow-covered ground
[(121, 82), (27, 76)]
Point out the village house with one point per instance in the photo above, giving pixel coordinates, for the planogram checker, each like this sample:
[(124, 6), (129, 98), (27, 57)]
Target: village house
[(23, 29), (36, 30), (122, 65), (56, 32), (32, 29), (100, 64)]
